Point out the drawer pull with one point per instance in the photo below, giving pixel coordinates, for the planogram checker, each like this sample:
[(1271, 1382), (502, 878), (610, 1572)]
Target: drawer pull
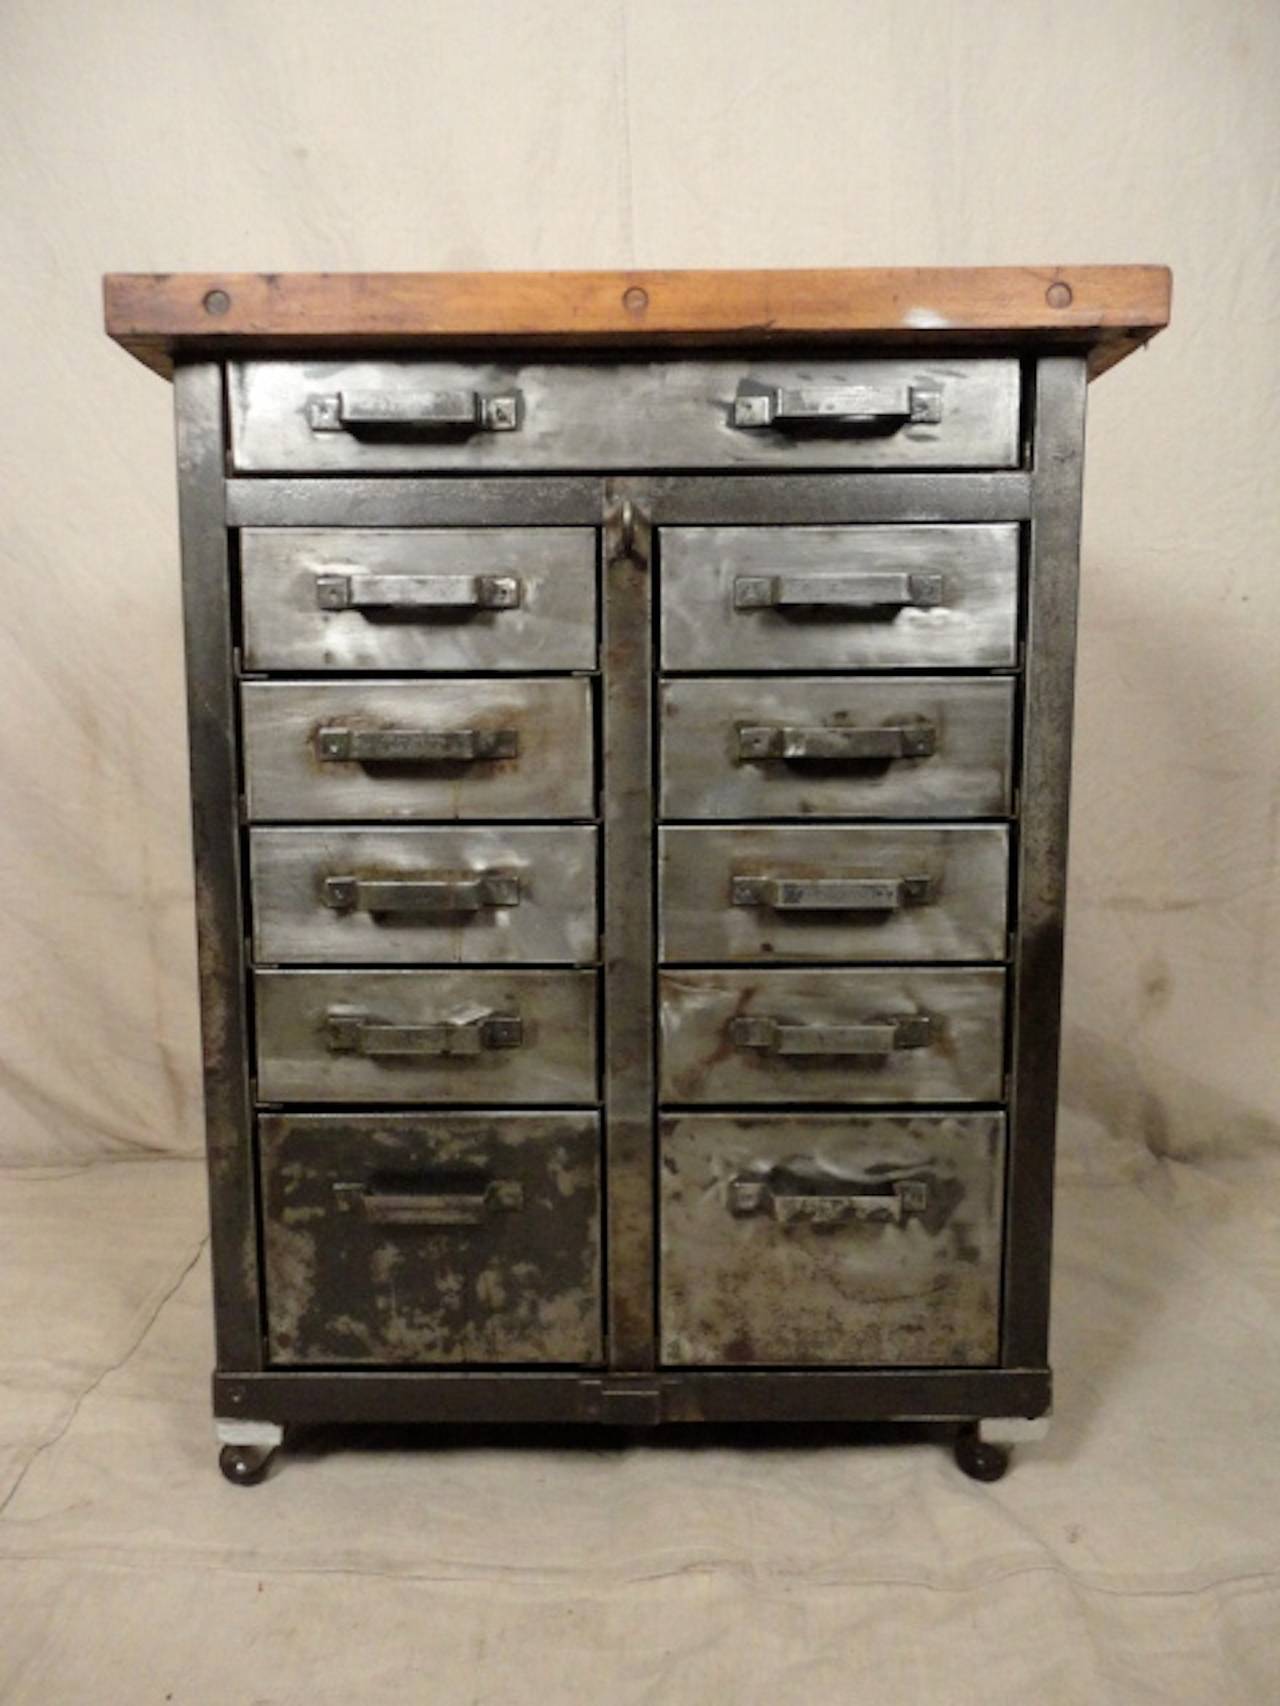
[(826, 744), (830, 894), (837, 592), (421, 894), (844, 408), (414, 414), (756, 1196), (424, 593), (874, 1037), (414, 746), (355, 1033), (430, 1208)]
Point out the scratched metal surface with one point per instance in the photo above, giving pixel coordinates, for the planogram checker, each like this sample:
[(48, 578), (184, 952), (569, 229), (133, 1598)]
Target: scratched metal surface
[(600, 414), (550, 775), (702, 1062), (522, 1285), (552, 624), (962, 917), (746, 1289), (553, 920), (967, 775), (974, 624), (553, 1064)]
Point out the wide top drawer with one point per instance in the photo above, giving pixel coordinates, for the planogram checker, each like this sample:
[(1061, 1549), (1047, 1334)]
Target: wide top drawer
[(401, 415)]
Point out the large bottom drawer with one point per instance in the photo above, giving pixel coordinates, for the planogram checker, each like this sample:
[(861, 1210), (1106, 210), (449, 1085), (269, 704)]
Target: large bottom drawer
[(409, 1238), (872, 1240)]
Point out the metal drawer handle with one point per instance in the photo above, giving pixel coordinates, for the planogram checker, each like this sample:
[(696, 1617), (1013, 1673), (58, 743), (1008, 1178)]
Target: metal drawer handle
[(356, 1033), (414, 746), (756, 1196), (426, 593), (414, 414), (831, 894), (842, 408), (436, 893), (872, 1037), (837, 592), (825, 744), (430, 1208)]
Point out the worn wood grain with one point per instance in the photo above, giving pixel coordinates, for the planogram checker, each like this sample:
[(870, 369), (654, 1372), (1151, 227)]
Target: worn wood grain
[(1105, 310)]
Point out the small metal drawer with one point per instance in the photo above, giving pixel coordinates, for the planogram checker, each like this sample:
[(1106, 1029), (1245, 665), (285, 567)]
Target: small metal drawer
[(802, 746), (910, 1034), (409, 599), (424, 896), (867, 1240), (427, 1036), (500, 748), (743, 412), (839, 597), (421, 1239), (742, 892)]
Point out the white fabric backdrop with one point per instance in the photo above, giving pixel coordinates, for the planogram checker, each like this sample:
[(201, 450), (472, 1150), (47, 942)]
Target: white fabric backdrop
[(153, 134)]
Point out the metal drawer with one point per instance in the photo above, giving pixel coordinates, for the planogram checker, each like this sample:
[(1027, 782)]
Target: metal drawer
[(839, 597), (418, 896), (396, 416), (869, 1239), (771, 746), (412, 749), (427, 1036), (907, 1034), (437, 599), (450, 1238), (740, 892)]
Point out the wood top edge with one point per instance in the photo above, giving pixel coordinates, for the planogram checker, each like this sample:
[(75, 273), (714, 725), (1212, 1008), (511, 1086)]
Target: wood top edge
[(1105, 310)]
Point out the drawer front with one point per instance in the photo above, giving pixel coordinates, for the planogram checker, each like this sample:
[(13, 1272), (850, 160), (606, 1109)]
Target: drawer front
[(427, 1036), (809, 746), (451, 1238), (740, 892), (424, 896), (847, 1239), (839, 597), (395, 416), (899, 1035), (432, 599), (414, 749)]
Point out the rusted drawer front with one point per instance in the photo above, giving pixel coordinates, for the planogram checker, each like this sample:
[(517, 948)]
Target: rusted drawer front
[(846, 1239), (743, 892), (397, 416), (424, 896), (447, 1238), (839, 597), (418, 749), (911, 1034), (435, 599), (427, 1036), (770, 746)]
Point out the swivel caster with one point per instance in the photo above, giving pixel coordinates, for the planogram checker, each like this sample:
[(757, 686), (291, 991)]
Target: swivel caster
[(244, 1465), (981, 1460)]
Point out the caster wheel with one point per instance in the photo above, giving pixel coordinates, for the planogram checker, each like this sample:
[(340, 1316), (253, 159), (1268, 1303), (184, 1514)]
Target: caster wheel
[(244, 1465), (979, 1459)]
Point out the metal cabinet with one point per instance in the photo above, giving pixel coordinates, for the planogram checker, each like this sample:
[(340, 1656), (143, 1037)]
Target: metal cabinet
[(630, 810)]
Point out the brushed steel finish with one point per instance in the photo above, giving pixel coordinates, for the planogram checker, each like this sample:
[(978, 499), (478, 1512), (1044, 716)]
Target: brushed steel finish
[(308, 1052), (549, 917), (955, 1055), (955, 910), (603, 414), (376, 1252), (756, 598), (545, 620), (549, 776), (967, 774), (908, 1277)]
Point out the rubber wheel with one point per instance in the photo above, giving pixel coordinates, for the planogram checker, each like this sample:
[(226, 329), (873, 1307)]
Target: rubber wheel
[(979, 1458), (243, 1465)]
